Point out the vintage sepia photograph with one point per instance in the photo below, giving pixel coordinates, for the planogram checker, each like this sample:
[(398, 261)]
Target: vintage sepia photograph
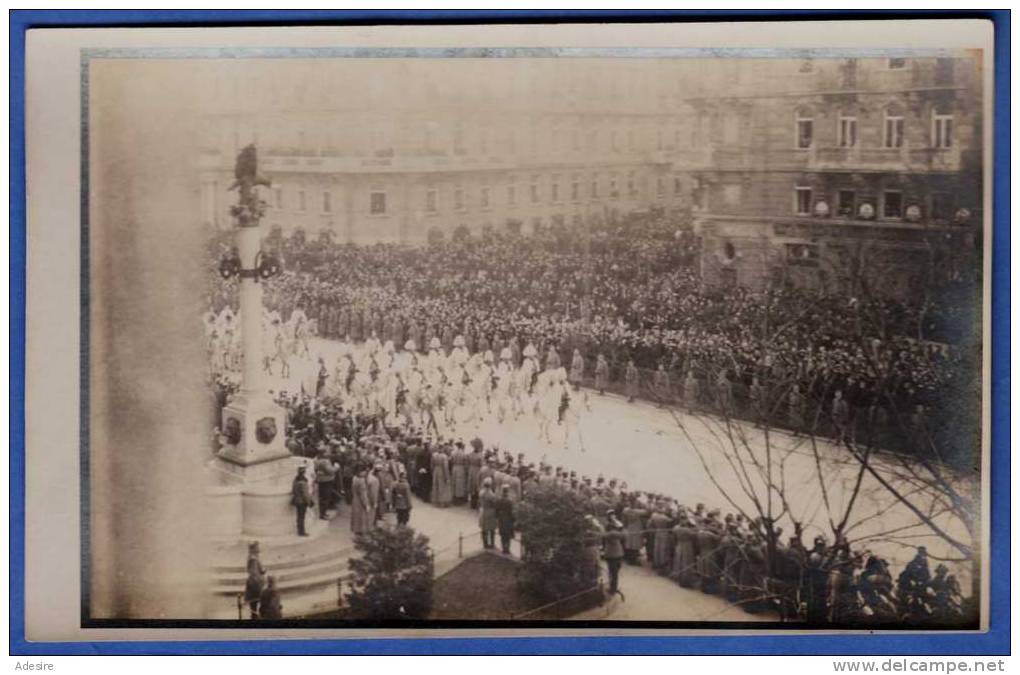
[(663, 338)]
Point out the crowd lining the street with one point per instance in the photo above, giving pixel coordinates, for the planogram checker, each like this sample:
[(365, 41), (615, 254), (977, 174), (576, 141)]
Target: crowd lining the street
[(629, 299), (623, 307), (360, 465)]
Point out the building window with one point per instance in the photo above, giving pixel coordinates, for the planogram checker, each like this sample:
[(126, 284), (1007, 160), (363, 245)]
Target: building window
[(377, 203), (847, 131), (575, 189), (534, 189), (484, 197), (941, 206), (941, 130), (327, 202), (893, 137), (278, 197), (805, 132), (892, 204), (631, 188), (660, 186), (614, 193), (595, 187), (897, 64), (677, 185), (555, 190), (802, 201), (511, 195), (943, 71), (731, 195), (301, 200), (846, 203), (458, 199)]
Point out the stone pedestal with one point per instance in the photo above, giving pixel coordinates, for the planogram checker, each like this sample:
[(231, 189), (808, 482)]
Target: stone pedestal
[(253, 429), (254, 472)]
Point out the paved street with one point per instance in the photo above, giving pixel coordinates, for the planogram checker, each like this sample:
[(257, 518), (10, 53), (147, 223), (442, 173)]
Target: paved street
[(653, 449)]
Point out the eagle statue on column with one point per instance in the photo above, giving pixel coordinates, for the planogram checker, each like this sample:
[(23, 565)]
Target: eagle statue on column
[(246, 169), (249, 208)]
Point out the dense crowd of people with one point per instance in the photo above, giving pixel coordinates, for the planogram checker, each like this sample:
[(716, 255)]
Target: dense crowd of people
[(364, 466), (621, 307), (630, 295)]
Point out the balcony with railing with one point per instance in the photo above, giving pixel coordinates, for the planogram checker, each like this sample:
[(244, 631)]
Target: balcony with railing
[(907, 159)]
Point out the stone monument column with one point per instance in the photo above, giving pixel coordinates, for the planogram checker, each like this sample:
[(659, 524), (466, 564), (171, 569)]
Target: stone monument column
[(254, 462)]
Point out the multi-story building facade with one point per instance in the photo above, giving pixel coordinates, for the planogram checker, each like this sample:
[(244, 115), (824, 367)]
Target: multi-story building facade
[(838, 172), (796, 168), (391, 150)]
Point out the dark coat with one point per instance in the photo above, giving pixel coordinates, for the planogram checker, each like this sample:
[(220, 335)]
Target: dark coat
[(402, 495), (614, 545), (269, 604), (300, 492), (504, 507), (487, 518)]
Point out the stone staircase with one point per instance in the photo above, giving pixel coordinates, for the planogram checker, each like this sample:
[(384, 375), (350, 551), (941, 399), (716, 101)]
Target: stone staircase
[(306, 569)]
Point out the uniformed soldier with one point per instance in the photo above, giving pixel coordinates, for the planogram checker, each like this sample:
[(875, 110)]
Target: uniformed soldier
[(601, 374), (577, 370), (552, 358), (663, 389), (692, 390), (631, 377), (614, 551)]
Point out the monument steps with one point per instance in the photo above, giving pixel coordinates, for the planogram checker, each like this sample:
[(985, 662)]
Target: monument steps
[(297, 577), (286, 563)]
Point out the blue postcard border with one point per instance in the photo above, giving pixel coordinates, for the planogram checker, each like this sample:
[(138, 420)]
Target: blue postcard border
[(993, 641)]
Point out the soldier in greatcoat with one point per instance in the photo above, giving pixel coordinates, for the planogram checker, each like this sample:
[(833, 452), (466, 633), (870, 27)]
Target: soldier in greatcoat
[(442, 487), (474, 466), (708, 543), (632, 378), (634, 517), (504, 507), (577, 370), (487, 519), (552, 358), (458, 473), (301, 498), (601, 374), (685, 555), (663, 388), (362, 509), (662, 546), (692, 390)]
